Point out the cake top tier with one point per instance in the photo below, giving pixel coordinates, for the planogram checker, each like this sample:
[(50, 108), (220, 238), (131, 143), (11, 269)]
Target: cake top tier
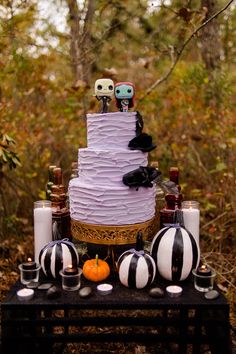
[(111, 130)]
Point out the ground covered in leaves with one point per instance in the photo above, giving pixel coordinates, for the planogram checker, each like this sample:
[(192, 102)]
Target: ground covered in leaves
[(14, 250)]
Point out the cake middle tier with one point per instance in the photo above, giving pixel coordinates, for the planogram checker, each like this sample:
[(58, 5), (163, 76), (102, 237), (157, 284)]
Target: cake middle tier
[(109, 205), (107, 167)]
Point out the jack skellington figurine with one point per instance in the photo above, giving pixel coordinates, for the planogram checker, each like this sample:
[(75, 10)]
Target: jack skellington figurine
[(104, 90), (124, 94)]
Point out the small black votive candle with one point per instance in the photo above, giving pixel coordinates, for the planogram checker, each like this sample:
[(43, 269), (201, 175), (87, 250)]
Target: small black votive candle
[(29, 271), (71, 278), (203, 278), (29, 265), (70, 270), (204, 281)]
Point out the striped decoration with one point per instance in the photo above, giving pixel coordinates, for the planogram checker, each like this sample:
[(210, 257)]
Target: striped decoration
[(175, 253), (57, 255), (137, 269)]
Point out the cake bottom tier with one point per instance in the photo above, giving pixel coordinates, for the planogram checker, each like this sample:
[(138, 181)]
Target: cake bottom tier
[(113, 234), (108, 205)]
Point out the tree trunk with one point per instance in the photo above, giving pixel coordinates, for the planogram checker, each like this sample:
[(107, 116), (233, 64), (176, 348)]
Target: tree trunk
[(74, 23), (210, 39), (80, 39), (86, 41), (211, 51)]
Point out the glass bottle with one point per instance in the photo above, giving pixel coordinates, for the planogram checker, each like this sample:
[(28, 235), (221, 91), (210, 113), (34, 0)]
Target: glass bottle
[(174, 176), (50, 181), (167, 214), (74, 170), (60, 211), (58, 194), (160, 195)]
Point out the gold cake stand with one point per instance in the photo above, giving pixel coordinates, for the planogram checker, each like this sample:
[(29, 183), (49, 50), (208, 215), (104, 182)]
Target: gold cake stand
[(113, 234)]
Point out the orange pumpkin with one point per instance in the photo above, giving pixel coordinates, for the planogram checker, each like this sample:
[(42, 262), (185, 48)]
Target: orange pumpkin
[(96, 269)]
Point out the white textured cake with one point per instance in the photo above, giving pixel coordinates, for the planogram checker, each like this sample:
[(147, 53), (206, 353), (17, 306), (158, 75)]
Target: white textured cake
[(98, 196)]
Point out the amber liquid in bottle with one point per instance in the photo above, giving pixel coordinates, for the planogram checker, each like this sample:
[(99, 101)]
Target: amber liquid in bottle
[(50, 181), (60, 212), (174, 176), (74, 170)]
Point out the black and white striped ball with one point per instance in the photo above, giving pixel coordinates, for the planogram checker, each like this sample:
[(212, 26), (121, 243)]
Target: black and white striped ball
[(175, 253), (136, 269), (57, 255)]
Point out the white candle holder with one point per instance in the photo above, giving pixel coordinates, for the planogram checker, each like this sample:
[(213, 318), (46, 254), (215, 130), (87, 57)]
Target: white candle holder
[(42, 225)]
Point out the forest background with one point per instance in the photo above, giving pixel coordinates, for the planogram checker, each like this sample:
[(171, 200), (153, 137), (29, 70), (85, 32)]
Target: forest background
[(51, 53)]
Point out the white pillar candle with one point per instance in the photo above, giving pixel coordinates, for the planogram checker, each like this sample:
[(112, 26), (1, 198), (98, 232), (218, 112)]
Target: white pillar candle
[(42, 226), (191, 216)]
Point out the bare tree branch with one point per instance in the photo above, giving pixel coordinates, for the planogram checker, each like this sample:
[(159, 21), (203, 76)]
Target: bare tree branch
[(200, 163), (214, 220), (180, 51)]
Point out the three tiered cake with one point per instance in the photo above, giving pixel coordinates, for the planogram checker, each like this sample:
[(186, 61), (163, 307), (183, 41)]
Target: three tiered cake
[(98, 196), (103, 209)]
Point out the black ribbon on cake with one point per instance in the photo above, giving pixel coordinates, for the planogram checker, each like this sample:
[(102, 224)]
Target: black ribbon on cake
[(141, 177), (139, 123), (142, 141)]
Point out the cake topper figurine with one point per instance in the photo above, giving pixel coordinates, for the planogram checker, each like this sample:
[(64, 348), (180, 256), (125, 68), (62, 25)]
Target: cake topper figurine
[(104, 90), (124, 94)]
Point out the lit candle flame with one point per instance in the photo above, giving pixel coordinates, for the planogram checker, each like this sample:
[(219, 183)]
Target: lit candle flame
[(29, 259), (203, 267), (70, 266)]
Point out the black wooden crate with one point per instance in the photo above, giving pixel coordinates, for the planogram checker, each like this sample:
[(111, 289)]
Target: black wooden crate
[(190, 323)]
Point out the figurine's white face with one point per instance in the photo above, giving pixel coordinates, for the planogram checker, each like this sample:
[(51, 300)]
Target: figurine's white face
[(104, 87)]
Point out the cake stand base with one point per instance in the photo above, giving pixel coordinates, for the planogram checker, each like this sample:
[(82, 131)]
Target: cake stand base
[(113, 234)]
